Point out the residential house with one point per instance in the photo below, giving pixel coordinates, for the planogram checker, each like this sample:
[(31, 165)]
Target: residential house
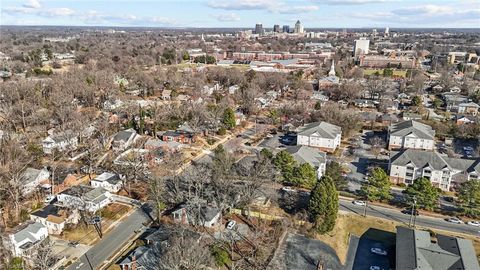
[(305, 154), (153, 144), (61, 142), (85, 197), (322, 135), (453, 100), (464, 119), (166, 95), (140, 258), (416, 249), (364, 103), (26, 237), (406, 116), (411, 135), (320, 96), (183, 134), (444, 172), (207, 216), (54, 218), (124, 139), (468, 108), (109, 181), (31, 178)]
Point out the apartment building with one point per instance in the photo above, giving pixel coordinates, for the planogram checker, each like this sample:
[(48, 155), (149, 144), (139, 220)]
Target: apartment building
[(411, 135)]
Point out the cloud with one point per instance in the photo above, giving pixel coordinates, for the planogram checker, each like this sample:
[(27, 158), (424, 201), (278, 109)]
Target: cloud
[(56, 12), (228, 17), (351, 2), (272, 6), (35, 4)]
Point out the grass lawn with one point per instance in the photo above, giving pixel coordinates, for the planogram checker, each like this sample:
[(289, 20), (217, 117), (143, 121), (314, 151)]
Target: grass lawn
[(354, 224), (399, 73)]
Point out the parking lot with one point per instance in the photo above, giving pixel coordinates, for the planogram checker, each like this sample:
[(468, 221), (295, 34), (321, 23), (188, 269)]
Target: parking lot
[(382, 240)]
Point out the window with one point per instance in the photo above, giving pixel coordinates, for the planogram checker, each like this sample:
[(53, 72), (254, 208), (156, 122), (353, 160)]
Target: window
[(427, 171)]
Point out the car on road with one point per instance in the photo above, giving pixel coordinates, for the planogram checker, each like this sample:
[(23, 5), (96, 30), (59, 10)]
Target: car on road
[(474, 223), (49, 198), (454, 220), (231, 224), (73, 244), (378, 251), (357, 202), (468, 148), (374, 267), (288, 189), (408, 211)]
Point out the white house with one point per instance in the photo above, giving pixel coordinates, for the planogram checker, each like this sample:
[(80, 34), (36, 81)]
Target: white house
[(322, 135), (85, 197), (31, 179), (108, 181), (60, 142), (314, 157), (124, 139), (27, 237), (54, 218), (411, 135), (444, 172), (207, 217), (469, 107)]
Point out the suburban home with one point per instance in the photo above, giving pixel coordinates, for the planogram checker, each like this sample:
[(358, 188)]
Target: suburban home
[(124, 139), (406, 116), (61, 142), (444, 172), (208, 217), (464, 119), (166, 94), (31, 178), (63, 181), (26, 237), (153, 144), (468, 108), (416, 249), (320, 96), (411, 135), (314, 157), (140, 258), (85, 197), (109, 181), (452, 100), (322, 135), (183, 134), (55, 218)]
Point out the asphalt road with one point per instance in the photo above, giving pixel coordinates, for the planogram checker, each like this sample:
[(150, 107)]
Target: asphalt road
[(422, 221), (111, 243)]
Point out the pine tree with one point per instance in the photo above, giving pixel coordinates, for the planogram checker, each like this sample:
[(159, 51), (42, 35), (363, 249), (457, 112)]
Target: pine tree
[(323, 205)]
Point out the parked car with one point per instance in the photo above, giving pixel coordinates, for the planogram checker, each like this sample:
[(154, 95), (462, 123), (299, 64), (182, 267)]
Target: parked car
[(378, 251), (474, 223), (231, 224), (408, 211), (73, 244), (454, 220), (288, 189), (357, 202), (49, 198), (374, 267)]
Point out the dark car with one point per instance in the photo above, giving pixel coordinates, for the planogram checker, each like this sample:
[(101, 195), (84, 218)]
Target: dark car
[(448, 198), (409, 212)]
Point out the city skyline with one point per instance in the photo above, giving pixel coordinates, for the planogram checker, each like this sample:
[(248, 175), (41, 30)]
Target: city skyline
[(244, 14)]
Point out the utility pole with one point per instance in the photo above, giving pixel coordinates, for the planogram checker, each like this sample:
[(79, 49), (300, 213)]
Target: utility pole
[(365, 208), (412, 212)]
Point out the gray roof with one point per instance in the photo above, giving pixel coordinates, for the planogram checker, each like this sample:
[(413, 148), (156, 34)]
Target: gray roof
[(320, 129), (416, 250), (412, 127), (111, 178), (26, 233), (29, 175), (124, 135), (304, 154), (95, 195), (469, 104), (422, 159)]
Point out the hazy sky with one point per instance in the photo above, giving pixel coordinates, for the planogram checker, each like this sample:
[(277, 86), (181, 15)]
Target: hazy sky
[(243, 13)]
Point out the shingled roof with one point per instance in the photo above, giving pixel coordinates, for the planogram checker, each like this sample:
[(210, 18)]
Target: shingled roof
[(321, 129), (405, 128)]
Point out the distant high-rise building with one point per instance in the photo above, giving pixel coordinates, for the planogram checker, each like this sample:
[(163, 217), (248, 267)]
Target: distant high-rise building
[(276, 28), (259, 29), (361, 46), (374, 32), (286, 29), (387, 31), (298, 28)]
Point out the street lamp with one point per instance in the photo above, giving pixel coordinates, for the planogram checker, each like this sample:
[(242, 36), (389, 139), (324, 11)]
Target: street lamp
[(412, 212)]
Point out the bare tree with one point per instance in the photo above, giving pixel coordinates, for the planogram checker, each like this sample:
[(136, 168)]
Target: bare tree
[(377, 145)]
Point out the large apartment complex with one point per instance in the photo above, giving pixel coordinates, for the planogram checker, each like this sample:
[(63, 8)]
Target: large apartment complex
[(411, 135), (322, 135)]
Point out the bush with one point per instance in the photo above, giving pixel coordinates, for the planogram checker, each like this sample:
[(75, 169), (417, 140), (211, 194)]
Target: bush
[(222, 131), (221, 256), (16, 264), (211, 141)]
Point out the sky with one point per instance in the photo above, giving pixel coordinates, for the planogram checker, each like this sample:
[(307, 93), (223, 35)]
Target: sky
[(244, 13)]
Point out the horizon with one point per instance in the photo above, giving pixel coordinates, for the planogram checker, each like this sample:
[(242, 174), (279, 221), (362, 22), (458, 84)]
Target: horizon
[(314, 14)]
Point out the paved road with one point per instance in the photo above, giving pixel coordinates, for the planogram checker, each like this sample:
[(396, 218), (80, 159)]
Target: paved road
[(396, 215), (110, 244)]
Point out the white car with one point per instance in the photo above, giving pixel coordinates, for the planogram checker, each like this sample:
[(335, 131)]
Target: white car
[(231, 224), (288, 189), (49, 198), (468, 148), (474, 223), (379, 251), (374, 267), (362, 203), (454, 220)]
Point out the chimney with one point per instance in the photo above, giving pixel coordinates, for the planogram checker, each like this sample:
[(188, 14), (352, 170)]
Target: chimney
[(134, 263)]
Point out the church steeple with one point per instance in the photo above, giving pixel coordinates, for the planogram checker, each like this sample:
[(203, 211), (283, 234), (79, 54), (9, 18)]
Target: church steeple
[(332, 69)]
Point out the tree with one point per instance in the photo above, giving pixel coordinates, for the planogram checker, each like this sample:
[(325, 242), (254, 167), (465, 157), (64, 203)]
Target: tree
[(266, 153), (285, 162), (304, 175), (229, 118), (425, 193), (377, 188), (334, 171), (377, 145), (323, 205), (388, 72), (417, 101), (469, 193)]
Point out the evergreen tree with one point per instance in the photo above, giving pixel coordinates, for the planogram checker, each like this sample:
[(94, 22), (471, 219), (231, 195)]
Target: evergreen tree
[(469, 193), (425, 193), (334, 171), (304, 176), (285, 162), (377, 188), (323, 205), (229, 118)]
